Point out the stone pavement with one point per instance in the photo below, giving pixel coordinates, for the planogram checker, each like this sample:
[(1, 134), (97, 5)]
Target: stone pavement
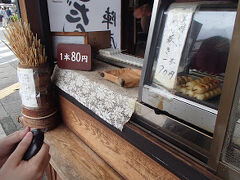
[(10, 105), (2, 133)]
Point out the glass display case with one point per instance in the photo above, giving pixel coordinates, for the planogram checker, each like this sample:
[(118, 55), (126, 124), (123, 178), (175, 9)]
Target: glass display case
[(184, 71)]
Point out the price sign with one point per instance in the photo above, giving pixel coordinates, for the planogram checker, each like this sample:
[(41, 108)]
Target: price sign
[(74, 56), (174, 37)]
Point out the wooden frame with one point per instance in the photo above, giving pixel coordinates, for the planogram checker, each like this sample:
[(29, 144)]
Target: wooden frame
[(127, 30), (69, 37), (72, 34), (97, 40)]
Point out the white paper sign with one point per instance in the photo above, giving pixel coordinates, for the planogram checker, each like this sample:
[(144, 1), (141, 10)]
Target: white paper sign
[(27, 87), (86, 16), (178, 22)]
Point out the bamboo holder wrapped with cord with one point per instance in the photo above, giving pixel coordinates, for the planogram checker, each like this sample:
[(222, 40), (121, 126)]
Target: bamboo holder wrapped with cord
[(34, 75)]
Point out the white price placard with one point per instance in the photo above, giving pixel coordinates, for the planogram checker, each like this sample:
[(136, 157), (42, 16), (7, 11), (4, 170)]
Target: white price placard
[(27, 87), (178, 22)]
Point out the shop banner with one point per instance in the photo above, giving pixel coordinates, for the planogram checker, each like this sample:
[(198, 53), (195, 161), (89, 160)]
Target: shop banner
[(86, 16)]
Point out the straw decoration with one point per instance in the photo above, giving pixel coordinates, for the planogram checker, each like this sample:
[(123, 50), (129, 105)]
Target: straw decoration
[(22, 42)]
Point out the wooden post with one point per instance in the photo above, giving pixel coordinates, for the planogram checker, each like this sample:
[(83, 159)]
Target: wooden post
[(36, 13)]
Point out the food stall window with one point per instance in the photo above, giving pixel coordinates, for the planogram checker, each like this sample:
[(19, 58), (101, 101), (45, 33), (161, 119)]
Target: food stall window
[(191, 53), (184, 68)]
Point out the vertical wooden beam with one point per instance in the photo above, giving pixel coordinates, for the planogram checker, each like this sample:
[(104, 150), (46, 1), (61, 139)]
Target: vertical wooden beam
[(35, 12), (23, 11), (127, 27)]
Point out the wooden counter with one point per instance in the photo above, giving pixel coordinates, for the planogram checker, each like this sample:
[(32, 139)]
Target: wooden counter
[(84, 148), (123, 157), (73, 159), (98, 150)]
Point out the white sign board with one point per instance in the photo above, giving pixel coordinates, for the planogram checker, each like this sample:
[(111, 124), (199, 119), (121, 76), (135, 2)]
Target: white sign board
[(86, 16), (178, 22)]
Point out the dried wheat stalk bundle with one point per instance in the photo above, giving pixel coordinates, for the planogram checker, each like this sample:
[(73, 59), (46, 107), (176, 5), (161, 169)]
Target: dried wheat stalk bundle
[(24, 44)]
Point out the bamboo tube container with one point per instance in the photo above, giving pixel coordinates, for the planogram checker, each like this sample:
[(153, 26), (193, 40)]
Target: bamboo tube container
[(34, 75)]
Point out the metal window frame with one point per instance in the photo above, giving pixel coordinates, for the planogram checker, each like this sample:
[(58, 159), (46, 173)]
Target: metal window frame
[(228, 94)]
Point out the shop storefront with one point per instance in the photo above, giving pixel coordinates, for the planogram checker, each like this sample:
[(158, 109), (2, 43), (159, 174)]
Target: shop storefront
[(182, 119)]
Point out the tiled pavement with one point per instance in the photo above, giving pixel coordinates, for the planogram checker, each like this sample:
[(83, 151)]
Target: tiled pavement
[(10, 105)]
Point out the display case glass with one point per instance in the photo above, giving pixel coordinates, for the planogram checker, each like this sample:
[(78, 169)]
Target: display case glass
[(192, 51), (184, 71), (189, 60)]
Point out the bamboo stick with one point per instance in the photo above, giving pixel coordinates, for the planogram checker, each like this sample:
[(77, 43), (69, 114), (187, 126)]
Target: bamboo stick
[(22, 42)]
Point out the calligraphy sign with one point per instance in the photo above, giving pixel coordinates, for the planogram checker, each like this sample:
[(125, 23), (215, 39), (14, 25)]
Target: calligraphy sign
[(74, 56), (178, 22), (86, 16)]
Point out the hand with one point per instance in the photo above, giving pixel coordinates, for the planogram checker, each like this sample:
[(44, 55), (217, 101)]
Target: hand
[(16, 168), (9, 143)]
